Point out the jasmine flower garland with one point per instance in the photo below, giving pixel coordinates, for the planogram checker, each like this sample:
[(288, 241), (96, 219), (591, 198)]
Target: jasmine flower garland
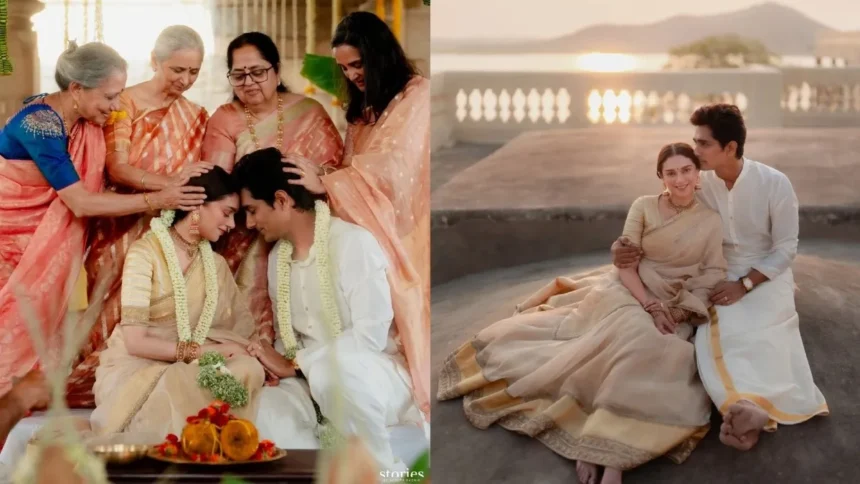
[(214, 375), (329, 437), (322, 224)]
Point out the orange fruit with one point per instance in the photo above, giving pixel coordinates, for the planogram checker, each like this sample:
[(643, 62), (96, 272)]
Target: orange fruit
[(239, 439), (200, 438)]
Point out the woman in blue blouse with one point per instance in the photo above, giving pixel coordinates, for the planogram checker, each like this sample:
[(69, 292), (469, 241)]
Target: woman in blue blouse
[(52, 155)]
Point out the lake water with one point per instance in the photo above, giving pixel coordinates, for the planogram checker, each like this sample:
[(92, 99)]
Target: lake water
[(596, 62)]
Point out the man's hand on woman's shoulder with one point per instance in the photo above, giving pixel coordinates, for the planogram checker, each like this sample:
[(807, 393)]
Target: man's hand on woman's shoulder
[(625, 254)]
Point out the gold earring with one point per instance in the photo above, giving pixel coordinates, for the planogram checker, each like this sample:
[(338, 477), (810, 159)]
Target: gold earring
[(195, 223)]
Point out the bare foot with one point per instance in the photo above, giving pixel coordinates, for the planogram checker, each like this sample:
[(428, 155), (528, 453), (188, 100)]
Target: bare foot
[(587, 472), (744, 417), (745, 442), (611, 476)]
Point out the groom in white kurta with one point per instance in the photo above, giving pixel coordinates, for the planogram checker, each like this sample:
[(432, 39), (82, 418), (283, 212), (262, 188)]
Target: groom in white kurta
[(750, 356), (361, 366)]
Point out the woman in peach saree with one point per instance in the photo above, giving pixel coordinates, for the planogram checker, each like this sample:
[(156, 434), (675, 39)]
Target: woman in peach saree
[(384, 183), (52, 156), (146, 380), (600, 366), (155, 145), (263, 115)]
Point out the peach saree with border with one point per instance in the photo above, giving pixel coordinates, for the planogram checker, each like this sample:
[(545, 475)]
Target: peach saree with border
[(581, 366), (160, 141), (384, 186)]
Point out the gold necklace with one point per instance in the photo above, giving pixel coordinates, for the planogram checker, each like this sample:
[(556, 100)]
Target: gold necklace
[(189, 248), (680, 208), (280, 139)]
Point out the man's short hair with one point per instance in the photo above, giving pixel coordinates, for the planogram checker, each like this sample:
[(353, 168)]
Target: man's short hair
[(726, 123), (262, 173)]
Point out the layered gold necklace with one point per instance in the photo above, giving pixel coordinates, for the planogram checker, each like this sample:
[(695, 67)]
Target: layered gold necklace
[(189, 247), (680, 208), (280, 138)]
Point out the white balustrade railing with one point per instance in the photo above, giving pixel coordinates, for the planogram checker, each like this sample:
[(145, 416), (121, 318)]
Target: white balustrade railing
[(492, 107)]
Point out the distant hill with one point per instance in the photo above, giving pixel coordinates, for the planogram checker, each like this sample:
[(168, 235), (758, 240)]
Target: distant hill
[(784, 30)]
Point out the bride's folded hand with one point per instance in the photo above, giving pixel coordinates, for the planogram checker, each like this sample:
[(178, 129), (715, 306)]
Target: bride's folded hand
[(661, 314), (663, 323)]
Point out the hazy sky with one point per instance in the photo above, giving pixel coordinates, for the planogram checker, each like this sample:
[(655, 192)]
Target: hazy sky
[(549, 18)]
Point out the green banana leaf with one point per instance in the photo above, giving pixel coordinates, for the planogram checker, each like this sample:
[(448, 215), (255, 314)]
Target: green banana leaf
[(324, 73), (5, 63)]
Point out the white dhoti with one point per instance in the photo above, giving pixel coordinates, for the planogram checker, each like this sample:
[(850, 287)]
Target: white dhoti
[(358, 378), (286, 415), (375, 398), (752, 350)]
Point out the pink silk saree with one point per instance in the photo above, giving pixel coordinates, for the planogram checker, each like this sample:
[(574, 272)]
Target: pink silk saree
[(307, 131), (42, 245), (384, 187), (160, 141)]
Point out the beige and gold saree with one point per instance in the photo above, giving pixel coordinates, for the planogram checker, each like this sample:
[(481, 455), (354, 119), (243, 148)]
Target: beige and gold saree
[(139, 394), (581, 366)]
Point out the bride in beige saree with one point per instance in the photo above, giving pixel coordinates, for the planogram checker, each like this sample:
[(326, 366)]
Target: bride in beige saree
[(584, 368), (146, 380)]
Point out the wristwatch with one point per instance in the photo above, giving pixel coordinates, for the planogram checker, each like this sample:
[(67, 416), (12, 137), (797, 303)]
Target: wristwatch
[(748, 284)]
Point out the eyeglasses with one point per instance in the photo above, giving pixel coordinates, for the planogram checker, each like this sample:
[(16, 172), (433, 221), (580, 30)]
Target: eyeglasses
[(257, 75)]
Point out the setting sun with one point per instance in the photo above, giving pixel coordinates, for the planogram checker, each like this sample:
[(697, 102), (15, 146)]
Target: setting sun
[(599, 62)]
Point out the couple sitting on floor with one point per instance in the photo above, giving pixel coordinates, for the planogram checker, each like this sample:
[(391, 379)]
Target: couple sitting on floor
[(618, 366)]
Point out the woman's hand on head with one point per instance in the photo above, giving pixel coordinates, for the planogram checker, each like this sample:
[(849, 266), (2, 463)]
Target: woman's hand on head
[(190, 171), (185, 198), (309, 173)]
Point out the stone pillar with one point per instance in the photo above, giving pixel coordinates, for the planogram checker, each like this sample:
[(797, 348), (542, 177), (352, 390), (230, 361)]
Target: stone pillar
[(24, 54), (416, 37)]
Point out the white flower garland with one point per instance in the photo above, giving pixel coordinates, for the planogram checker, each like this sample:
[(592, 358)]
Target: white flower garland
[(322, 224), (160, 227)]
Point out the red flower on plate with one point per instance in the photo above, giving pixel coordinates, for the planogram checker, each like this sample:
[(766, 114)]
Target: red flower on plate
[(220, 420), (172, 438)]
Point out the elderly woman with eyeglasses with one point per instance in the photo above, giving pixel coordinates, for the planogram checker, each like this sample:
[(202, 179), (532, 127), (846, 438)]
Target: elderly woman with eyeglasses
[(263, 114)]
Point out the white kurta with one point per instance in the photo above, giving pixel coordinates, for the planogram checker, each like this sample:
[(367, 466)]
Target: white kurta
[(363, 365), (752, 350)]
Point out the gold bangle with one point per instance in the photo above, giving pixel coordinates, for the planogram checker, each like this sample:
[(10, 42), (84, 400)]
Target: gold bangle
[(180, 350), (142, 177), (193, 354), (148, 203)]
